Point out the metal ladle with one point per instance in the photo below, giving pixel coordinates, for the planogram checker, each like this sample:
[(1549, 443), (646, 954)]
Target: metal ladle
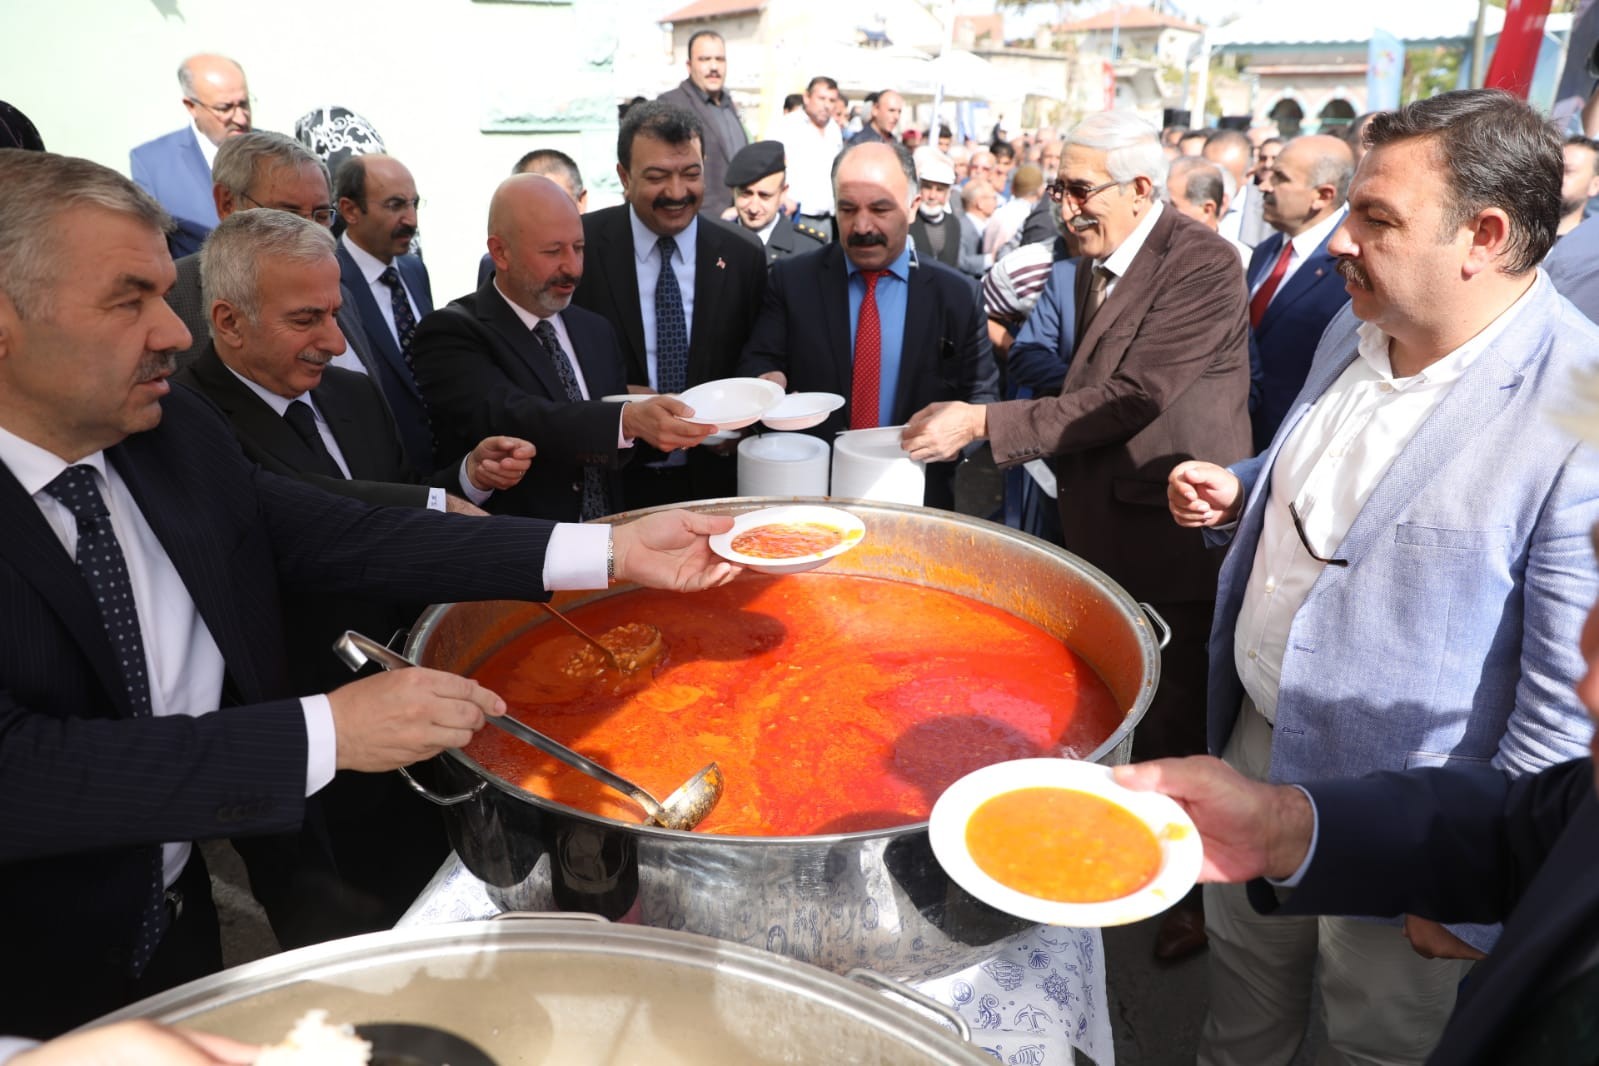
[(651, 650), (685, 808)]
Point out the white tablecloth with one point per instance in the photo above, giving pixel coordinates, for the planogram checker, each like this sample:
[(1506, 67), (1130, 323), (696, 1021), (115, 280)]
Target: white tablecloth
[(1042, 992)]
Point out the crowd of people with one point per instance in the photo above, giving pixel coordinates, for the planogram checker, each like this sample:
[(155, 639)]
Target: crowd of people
[(1293, 393)]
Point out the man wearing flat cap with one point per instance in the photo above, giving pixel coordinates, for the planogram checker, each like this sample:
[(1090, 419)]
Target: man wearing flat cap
[(758, 177), (936, 231)]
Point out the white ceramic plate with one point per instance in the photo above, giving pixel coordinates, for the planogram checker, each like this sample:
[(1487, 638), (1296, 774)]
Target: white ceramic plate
[(629, 397), (731, 403), (1180, 848), (854, 530), (802, 410)]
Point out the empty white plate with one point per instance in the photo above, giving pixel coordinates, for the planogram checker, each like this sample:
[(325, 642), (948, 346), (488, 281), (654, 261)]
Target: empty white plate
[(802, 410), (731, 403)]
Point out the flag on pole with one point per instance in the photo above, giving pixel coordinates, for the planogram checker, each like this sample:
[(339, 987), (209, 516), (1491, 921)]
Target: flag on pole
[(1516, 56), (1385, 70)]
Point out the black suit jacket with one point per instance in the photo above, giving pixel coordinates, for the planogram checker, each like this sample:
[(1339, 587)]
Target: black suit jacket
[(804, 332), (86, 790), (484, 373), (394, 377), (1468, 845)]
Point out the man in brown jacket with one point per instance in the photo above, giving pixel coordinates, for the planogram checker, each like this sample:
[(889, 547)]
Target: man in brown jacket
[(1158, 373)]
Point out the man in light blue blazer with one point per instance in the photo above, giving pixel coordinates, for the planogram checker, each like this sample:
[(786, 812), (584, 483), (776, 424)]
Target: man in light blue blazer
[(176, 168), (1409, 555)]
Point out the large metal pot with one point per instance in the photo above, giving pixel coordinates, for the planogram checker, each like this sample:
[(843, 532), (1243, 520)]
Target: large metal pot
[(532, 991), (875, 898)]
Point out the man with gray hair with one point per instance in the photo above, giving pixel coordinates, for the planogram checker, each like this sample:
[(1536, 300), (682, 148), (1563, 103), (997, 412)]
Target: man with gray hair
[(867, 319), (146, 696), (176, 168), (1196, 187), (273, 172), (1157, 371)]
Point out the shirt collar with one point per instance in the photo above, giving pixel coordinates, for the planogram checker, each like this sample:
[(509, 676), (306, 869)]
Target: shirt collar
[(1119, 261), (1311, 239), (765, 232), (644, 238), (900, 267), (695, 91), (527, 318), (207, 149), (369, 265), (1374, 343), (35, 467), (279, 404)]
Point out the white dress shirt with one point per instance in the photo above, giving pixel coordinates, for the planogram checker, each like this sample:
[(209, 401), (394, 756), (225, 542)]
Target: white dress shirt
[(809, 153), (207, 149), (1328, 467), (647, 264), (531, 321), (436, 500), (183, 664), (1303, 245), (1121, 260), (371, 267)]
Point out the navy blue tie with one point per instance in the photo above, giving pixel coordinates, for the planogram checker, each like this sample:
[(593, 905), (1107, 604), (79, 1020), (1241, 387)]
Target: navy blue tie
[(593, 505), (671, 331), (106, 571)]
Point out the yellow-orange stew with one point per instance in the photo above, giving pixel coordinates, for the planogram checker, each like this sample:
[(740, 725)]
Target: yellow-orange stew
[(1063, 845), (787, 540)]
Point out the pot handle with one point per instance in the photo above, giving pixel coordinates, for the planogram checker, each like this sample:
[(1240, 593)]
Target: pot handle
[(928, 1004), (549, 916), (433, 797), (1160, 624)]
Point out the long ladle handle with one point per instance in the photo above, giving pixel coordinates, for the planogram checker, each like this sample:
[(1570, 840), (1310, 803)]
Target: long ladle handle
[(610, 656), (356, 648)]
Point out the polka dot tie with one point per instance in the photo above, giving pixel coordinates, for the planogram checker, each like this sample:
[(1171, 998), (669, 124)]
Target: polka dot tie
[(593, 505), (866, 381), (106, 571), (671, 329)]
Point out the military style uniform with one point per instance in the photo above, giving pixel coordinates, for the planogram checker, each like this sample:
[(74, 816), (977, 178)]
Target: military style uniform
[(788, 237), (791, 238)]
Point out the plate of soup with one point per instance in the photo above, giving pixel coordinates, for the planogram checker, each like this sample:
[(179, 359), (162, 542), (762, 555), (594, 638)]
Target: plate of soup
[(1059, 841), (789, 540)]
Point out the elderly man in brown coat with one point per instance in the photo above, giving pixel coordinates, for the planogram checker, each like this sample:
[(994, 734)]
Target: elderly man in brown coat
[(1158, 372)]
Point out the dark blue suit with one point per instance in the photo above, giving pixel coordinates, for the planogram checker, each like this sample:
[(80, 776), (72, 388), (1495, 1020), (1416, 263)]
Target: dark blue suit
[(86, 790), (1469, 844), (394, 377), (1280, 349), (173, 170)]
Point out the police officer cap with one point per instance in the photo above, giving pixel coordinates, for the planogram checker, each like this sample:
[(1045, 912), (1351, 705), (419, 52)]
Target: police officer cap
[(754, 162)]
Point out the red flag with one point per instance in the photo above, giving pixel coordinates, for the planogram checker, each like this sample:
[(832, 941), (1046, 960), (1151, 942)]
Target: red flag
[(1517, 53)]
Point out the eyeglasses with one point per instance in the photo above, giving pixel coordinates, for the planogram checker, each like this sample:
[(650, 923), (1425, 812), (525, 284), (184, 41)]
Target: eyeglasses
[(395, 204), (322, 216), (222, 110), (1299, 527), (1080, 191)]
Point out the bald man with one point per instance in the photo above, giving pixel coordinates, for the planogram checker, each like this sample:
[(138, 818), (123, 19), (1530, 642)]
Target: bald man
[(176, 168), (516, 353), (1231, 151)]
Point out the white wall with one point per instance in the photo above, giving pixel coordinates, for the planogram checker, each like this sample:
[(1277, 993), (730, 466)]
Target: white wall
[(99, 76)]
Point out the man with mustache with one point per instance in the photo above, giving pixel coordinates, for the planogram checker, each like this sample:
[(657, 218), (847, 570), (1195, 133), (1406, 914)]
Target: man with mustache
[(704, 93), (680, 288), (868, 319), (376, 197), (146, 696), (1294, 286), (272, 291), (176, 168), (1409, 556), (1157, 371), (517, 358)]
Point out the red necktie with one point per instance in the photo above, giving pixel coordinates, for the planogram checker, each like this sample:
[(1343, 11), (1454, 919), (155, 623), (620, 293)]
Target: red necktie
[(1263, 295), (865, 383)]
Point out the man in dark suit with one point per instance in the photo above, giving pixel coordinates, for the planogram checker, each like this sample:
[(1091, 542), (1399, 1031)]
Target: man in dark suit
[(140, 573), (176, 168), (704, 95), (690, 329), (268, 171), (515, 357), (925, 340), (1159, 373), (1294, 284), (273, 285), (758, 176), (1453, 844), (376, 197)]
